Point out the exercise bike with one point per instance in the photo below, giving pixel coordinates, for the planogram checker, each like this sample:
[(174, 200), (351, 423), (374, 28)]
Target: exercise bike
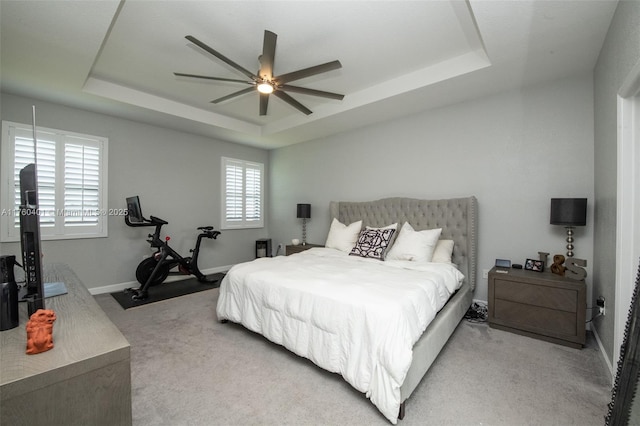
[(154, 270)]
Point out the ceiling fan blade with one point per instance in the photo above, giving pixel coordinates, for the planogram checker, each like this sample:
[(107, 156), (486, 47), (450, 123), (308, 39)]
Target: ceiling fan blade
[(288, 99), (308, 72), (233, 95), (179, 74), (312, 92), (264, 103), (223, 58), (268, 56)]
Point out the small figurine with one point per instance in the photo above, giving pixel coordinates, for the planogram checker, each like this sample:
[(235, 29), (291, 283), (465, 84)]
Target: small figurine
[(40, 331), (557, 267)]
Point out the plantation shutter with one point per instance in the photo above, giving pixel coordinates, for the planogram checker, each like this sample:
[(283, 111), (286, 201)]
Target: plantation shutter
[(72, 182), (242, 189), (81, 182), (233, 192), (46, 171), (253, 192)]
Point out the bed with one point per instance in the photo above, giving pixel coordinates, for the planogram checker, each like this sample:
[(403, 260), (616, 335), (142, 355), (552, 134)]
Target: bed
[(381, 338)]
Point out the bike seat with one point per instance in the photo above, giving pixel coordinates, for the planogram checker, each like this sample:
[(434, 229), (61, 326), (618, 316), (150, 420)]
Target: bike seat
[(206, 228)]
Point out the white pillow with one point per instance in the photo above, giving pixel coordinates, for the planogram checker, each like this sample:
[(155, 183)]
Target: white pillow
[(343, 237), (414, 245), (443, 251)]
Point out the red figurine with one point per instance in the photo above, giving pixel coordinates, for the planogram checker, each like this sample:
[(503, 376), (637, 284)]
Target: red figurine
[(40, 331)]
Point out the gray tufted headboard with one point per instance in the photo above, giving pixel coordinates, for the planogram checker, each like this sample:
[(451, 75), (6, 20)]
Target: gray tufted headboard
[(456, 216)]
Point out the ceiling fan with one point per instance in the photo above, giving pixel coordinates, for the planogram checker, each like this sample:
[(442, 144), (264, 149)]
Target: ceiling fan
[(264, 81)]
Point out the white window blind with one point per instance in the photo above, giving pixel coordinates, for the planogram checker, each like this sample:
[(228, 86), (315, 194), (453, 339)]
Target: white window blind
[(81, 182), (72, 182), (253, 194), (46, 175), (242, 189)]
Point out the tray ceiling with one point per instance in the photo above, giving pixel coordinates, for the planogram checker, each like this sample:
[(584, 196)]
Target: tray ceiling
[(398, 57)]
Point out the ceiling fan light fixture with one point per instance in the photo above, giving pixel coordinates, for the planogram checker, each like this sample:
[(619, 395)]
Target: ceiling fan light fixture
[(265, 88), (264, 81)]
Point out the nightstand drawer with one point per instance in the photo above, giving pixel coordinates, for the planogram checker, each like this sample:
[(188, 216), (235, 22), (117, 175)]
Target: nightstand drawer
[(538, 295), (535, 319)]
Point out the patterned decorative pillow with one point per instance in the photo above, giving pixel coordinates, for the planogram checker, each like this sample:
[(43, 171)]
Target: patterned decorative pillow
[(373, 243)]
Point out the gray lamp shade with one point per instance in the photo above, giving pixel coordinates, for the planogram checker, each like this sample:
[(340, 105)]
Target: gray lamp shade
[(568, 211), (304, 211)]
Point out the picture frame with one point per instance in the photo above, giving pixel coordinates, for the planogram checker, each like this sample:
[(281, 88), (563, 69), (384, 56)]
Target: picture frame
[(534, 265)]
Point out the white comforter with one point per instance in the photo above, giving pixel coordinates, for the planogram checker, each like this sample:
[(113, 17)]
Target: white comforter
[(349, 315)]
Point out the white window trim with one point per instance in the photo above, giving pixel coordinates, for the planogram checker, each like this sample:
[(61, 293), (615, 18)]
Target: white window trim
[(243, 223), (8, 231), (628, 204)]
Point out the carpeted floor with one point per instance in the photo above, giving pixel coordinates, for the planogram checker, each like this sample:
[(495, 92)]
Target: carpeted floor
[(188, 369)]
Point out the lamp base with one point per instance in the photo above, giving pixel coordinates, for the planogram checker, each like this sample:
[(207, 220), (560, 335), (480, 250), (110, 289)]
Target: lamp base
[(304, 231), (569, 241)]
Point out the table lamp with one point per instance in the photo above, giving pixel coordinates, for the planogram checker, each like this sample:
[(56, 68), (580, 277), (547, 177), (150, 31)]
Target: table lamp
[(569, 212), (304, 213)]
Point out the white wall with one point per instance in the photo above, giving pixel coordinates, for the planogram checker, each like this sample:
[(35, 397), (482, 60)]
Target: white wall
[(176, 175), (513, 151), (620, 52)]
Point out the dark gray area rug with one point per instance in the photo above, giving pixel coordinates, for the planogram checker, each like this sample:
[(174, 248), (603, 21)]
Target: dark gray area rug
[(168, 290)]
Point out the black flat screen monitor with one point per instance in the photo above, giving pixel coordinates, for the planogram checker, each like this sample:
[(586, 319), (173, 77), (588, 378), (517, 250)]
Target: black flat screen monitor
[(30, 238), (134, 212)]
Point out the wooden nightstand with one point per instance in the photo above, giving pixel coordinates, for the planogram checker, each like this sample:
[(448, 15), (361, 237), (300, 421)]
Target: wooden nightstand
[(297, 249), (538, 304)]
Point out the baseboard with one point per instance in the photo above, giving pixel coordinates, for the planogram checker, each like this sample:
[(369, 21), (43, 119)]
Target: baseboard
[(134, 284), (608, 363)]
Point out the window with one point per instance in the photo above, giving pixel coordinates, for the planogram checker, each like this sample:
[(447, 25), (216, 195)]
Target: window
[(72, 182), (242, 190)]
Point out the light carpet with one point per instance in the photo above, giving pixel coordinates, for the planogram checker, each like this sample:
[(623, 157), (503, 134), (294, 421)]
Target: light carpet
[(189, 369)]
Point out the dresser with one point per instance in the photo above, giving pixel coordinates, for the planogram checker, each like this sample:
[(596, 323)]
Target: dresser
[(538, 304), (84, 380)]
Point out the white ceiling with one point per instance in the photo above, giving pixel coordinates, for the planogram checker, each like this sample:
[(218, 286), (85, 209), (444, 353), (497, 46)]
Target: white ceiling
[(398, 57)]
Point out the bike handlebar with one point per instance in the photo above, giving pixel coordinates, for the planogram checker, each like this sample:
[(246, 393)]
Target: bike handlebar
[(208, 231), (153, 221)]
